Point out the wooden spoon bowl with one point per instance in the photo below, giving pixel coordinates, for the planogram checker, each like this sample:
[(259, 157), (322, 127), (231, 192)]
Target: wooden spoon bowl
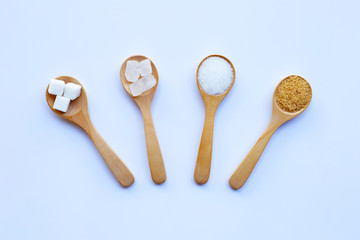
[(78, 113), (211, 102), (279, 117), (156, 163)]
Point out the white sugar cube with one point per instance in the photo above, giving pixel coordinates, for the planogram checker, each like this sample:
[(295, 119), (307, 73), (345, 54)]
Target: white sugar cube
[(56, 87), (132, 71), (72, 91), (61, 103), (143, 84), (145, 67)]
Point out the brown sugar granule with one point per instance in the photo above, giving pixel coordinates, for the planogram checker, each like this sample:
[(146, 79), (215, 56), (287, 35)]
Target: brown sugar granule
[(293, 94)]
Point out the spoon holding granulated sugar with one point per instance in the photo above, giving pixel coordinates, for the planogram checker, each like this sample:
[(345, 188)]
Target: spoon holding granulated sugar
[(291, 97), (142, 90), (215, 77), (77, 112)]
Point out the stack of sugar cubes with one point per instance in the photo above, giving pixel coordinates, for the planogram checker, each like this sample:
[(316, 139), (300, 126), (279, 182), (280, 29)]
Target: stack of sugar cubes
[(64, 93), (134, 70)]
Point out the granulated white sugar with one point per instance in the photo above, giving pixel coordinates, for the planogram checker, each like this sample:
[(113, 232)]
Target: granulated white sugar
[(215, 75)]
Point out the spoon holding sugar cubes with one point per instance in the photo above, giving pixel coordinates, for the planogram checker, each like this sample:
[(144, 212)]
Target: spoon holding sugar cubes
[(67, 98), (215, 77), (140, 78)]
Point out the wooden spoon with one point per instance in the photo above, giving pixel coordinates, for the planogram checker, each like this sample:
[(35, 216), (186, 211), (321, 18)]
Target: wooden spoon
[(144, 100), (203, 163), (78, 113), (278, 117)]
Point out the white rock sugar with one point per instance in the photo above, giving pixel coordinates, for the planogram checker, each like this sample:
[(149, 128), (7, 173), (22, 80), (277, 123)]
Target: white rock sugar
[(56, 87), (61, 103), (215, 75), (72, 91), (132, 71), (142, 85), (145, 67)]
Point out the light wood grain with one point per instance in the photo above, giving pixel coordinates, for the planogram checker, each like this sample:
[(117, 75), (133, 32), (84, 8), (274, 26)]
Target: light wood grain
[(156, 163), (244, 170), (211, 102), (78, 113)]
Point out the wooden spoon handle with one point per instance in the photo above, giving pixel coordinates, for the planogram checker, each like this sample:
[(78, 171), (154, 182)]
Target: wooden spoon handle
[(203, 163), (245, 168), (156, 163), (117, 167)]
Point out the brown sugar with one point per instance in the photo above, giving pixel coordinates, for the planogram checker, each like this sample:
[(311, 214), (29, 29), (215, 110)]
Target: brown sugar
[(293, 94)]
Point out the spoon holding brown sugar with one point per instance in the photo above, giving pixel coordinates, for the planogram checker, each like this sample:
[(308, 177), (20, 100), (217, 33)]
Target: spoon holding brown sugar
[(78, 113), (156, 163), (291, 97)]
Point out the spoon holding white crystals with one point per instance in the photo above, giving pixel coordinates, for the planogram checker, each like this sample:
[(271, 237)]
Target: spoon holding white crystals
[(215, 77), (78, 113), (142, 92)]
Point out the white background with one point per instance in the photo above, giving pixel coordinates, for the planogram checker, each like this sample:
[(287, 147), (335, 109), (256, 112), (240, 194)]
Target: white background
[(54, 183)]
